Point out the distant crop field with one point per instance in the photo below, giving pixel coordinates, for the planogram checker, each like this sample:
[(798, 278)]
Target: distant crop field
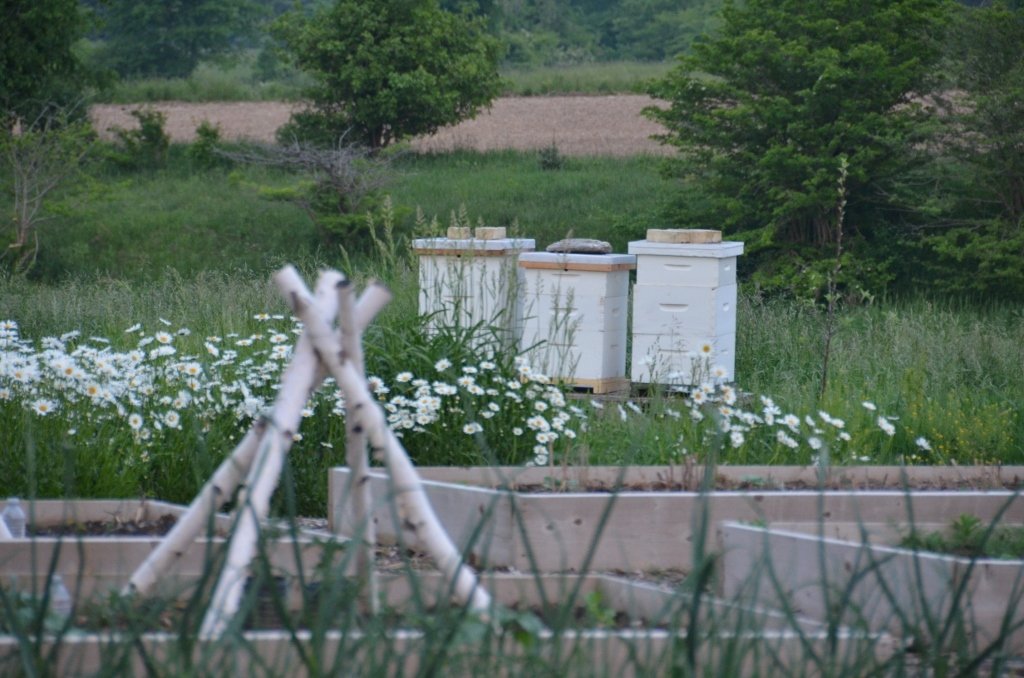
[(576, 125)]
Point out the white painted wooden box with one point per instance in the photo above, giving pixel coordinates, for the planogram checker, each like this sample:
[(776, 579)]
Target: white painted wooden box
[(467, 282), (684, 311), (575, 310)]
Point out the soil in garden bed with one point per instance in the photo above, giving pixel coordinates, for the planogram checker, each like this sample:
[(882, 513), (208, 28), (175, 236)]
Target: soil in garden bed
[(265, 616), (115, 527), (725, 484), (115, 613)]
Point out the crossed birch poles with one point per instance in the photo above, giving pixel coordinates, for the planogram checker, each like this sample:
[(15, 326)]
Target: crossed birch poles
[(254, 467)]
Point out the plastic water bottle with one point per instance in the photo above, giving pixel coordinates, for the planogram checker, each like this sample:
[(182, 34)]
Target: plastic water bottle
[(60, 599), (14, 516)]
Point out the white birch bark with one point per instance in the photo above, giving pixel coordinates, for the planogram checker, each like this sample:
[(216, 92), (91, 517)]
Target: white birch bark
[(196, 518), (264, 474), (254, 500), (359, 490), (302, 376), (414, 509), (254, 504)]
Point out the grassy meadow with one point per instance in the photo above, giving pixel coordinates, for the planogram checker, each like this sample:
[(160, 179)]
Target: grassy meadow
[(148, 338), (186, 251), (241, 80)]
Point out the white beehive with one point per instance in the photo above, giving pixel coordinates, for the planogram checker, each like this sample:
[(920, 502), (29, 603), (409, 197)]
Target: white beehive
[(466, 282), (684, 309), (575, 309)]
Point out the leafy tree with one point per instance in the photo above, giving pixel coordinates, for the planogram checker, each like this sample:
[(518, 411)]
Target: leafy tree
[(763, 111), (46, 155), (974, 242), (388, 69), (339, 188), (654, 30), (38, 65), (170, 38)]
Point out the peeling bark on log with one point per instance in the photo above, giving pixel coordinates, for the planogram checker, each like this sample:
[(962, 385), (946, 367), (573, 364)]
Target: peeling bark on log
[(264, 474), (302, 376), (409, 494), (254, 504), (356, 458)]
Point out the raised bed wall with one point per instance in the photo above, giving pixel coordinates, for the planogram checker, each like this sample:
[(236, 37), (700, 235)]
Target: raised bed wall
[(618, 654), (93, 565), (636, 531), (882, 588)]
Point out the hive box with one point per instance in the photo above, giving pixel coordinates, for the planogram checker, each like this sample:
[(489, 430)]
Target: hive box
[(575, 309), (684, 311), (471, 281)]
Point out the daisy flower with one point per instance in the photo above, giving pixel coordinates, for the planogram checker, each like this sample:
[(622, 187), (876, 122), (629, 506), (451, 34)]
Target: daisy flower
[(43, 407), (783, 438)]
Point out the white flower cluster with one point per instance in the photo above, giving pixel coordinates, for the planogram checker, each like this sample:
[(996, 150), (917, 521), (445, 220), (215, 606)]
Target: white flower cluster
[(821, 433), (148, 387), (152, 386), (480, 394)]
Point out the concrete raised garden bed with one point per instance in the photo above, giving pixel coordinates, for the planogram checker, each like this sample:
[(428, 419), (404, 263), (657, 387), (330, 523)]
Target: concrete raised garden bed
[(650, 640), (746, 639), (883, 588), (92, 565), (655, 530)]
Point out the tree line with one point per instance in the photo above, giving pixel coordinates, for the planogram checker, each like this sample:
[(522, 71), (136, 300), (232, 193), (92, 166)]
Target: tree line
[(856, 146)]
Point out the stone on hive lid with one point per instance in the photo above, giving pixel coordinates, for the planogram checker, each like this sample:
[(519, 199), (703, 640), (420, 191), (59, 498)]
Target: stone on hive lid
[(580, 246)]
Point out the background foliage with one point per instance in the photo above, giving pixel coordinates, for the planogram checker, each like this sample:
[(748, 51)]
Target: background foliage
[(763, 111), (171, 38), (39, 67), (971, 211), (385, 71), (151, 230)]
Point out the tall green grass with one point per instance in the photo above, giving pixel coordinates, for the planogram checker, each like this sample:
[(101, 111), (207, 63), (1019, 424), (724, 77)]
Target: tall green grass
[(606, 77), (238, 81), (136, 226), (197, 247), (211, 82), (951, 370), (961, 395), (613, 199)]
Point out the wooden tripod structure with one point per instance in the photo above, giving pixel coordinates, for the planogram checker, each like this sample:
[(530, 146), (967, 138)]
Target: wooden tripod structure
[(254, 467)]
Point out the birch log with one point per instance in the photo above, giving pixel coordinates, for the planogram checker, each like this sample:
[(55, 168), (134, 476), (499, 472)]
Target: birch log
[(413, 505), (302, 376), (254, 501), (264, 474), (359, 493), (196, 518), (254, 504)]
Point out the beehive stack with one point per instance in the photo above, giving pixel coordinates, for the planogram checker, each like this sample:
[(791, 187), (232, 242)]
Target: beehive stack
[(575, 309), (468, 279), (684, 306)]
